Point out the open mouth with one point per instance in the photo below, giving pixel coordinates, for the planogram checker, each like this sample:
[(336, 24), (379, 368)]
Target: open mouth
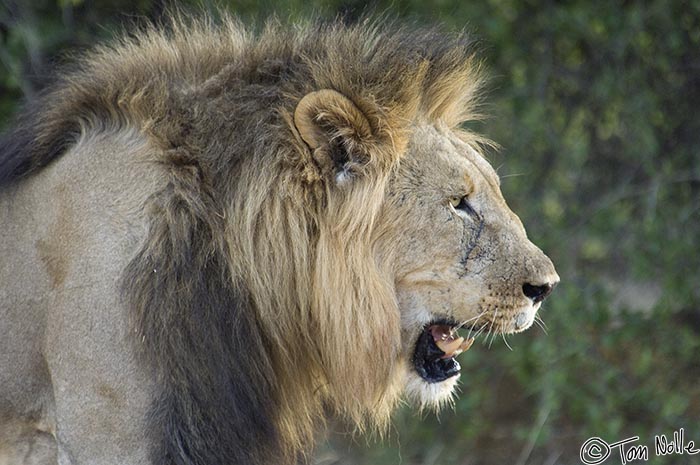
[(436, 349)]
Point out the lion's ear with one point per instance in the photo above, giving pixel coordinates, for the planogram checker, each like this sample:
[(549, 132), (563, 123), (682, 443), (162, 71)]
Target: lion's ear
[(336, 131)]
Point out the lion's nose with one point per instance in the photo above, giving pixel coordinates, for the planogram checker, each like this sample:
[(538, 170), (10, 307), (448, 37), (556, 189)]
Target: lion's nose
[(537, 293)]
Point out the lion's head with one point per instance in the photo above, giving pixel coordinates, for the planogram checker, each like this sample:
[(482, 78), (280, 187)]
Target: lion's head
[(440, 246), (324, 228)]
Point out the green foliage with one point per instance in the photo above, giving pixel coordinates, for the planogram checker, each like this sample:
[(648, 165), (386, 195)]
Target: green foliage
[(594, 104)]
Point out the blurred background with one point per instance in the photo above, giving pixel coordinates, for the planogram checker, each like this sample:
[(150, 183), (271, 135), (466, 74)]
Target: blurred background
[(595, 105)]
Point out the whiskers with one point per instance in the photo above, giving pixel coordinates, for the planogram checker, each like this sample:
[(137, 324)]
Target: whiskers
[(474, 321), (478, 326), (491, 332), (542, 325), (503, 335)]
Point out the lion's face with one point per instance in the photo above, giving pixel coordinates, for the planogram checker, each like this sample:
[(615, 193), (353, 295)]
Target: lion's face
[(462, 258)]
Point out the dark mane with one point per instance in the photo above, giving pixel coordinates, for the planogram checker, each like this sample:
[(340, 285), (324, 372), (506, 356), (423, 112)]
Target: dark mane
[(143, 79)]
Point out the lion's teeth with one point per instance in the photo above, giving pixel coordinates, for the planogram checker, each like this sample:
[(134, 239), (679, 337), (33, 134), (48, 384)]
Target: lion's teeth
[(466, 344), (454, 347), (449, 347)]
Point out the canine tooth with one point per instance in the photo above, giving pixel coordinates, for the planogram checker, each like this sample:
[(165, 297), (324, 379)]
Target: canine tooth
[(463, 347), (466, 344), (451, 346)]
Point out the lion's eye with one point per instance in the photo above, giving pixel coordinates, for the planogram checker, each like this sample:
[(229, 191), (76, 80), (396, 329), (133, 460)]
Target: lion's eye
[(460, 203)]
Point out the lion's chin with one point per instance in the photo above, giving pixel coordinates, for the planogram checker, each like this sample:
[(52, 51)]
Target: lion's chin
[(427, 395)]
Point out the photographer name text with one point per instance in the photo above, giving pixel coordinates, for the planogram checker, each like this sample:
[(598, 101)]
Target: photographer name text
[(596, 451)]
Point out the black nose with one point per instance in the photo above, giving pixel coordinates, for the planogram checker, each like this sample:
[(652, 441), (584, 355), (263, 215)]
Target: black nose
[(537, 293)]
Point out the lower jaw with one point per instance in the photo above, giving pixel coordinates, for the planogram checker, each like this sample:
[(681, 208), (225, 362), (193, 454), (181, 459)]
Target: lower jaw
[(427, 395), (438, 371)]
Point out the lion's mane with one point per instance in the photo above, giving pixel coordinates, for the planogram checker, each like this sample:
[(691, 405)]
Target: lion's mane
[(258, 299)]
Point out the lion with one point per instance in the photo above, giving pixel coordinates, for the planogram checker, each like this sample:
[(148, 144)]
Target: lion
[(213, 240)]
